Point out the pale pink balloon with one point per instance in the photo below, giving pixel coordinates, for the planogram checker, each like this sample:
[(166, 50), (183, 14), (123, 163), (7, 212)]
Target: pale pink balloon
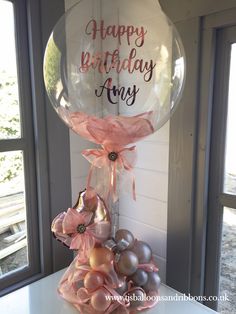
[(93, 281), (99, 300)]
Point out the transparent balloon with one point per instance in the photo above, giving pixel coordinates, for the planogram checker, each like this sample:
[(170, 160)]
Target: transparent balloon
[(117, 60)]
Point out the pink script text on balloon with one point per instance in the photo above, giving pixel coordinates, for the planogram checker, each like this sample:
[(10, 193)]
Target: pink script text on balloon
[(116, 31)]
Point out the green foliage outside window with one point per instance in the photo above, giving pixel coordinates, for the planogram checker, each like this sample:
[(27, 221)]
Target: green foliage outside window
[(11, 164)]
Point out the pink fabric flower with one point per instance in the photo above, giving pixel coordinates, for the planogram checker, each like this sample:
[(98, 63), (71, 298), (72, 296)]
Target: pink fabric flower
[(113, 133), (113, 161), (77, 225), (78, 231), (57, 230)]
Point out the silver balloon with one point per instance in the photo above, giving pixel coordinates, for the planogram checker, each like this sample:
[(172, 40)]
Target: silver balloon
[(125, 235), (121, 290), (136, 298), (153, 283), (143, 251), (128, 263), (140, 278)]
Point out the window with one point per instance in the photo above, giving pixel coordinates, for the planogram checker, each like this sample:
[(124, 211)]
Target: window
[(230, 149), (221, 230), (228, 245), (201, 180), (19, 258), (34, 146)]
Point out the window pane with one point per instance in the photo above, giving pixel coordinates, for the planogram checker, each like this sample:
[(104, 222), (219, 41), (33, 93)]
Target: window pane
[(230, 163), (13, 241), (228, 262), (9, 98)]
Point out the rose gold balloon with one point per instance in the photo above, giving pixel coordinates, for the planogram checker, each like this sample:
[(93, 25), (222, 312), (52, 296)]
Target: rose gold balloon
[(92, 205), (99, 300), (99, 256), (93, 281), (93, 202)]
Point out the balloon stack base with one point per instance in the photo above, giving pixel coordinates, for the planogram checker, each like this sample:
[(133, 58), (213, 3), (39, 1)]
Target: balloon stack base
[(108, 275), (113, 281)]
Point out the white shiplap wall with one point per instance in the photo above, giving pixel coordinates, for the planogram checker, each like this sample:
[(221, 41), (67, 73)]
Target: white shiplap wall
[(79, 165), (146, 218)]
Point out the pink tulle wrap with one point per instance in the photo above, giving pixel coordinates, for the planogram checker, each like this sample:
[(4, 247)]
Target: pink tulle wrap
[(113, 133), (112, 130), (71, 289), (88, 224)]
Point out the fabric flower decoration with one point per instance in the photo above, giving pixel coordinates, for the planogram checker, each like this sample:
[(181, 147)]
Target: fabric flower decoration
[(58, 230), (112, 161), (79, 231)]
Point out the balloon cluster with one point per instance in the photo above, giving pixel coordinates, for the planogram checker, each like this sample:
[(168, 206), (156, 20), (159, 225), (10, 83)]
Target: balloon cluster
[(108, 275), (114, 78), (134, 261)]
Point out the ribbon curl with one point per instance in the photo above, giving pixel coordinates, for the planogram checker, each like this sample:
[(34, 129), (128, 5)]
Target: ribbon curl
[(115, 160)]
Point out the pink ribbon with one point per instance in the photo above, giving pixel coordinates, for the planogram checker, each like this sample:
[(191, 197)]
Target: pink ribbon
[(79, 297), (114, 160), (66, 229), (151, 267), (70, 288), (113, 133)]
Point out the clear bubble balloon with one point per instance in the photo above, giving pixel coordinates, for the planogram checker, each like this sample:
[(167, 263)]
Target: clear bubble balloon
[(106, 59)]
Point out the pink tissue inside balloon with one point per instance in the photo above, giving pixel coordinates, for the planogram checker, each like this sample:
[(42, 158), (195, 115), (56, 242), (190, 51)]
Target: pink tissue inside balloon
[(112, 130)]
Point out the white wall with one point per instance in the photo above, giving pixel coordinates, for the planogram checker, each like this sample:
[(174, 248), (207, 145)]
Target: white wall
[(146, 218), (79, 165)]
